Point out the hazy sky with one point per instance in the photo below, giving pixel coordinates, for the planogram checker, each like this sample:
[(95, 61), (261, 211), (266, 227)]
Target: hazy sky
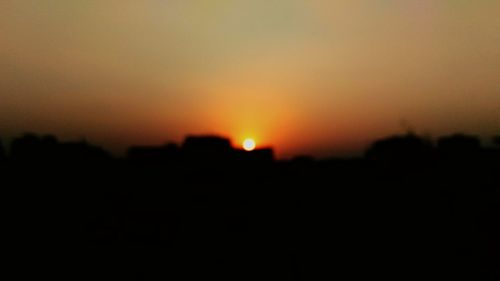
[(321, 77)]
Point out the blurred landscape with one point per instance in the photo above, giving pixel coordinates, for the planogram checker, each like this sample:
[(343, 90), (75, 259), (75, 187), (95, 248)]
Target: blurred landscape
[(410, 209), (250, 139)]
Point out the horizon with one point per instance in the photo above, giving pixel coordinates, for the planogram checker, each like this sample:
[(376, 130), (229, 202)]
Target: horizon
[(492, 142)]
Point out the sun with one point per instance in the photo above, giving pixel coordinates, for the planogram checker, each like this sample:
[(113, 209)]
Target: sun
[(249, 144)]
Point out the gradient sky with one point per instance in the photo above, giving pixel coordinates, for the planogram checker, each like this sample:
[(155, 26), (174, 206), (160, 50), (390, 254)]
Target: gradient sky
[(318, 77)]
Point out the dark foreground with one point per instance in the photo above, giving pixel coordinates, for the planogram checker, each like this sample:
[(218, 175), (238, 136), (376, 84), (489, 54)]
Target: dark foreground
[(407, 211)]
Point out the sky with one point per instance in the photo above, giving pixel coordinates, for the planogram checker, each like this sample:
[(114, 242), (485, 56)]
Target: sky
[(317, 77)]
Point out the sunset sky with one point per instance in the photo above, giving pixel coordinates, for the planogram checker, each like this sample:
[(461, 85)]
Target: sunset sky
[(319, 77)]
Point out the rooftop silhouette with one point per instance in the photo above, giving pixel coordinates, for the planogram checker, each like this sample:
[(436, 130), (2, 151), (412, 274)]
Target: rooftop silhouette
[(205, 208), (200, 150)]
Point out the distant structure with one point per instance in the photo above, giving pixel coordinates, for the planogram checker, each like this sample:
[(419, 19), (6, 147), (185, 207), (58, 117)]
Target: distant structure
[(304, 159), (207, 149), (199, 151), (3, 153), (496, 140), (166, 154), (31, 148), (82, 152), (256, 156), (196, 151), (400, 149), (459, 145), (206, 145)]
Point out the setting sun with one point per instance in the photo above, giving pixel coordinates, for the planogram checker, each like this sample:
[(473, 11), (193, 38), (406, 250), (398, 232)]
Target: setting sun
[(249, 144)]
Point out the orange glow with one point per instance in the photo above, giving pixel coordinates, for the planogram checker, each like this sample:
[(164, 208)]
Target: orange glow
[(249, 144), (225, 73)]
